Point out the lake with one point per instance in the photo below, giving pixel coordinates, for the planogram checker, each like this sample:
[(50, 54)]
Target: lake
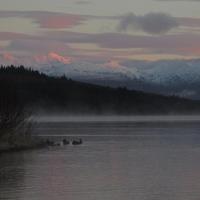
[(121, 158)]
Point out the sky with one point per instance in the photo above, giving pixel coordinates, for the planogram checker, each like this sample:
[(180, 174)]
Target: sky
[(109, 32)]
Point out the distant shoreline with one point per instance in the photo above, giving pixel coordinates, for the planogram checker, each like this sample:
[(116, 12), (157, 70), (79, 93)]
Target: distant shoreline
[(116, 118)]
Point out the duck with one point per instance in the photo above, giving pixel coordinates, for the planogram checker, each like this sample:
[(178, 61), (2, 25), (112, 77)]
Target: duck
[(62, 143), (65, 142), (77, 142), (50, 143)]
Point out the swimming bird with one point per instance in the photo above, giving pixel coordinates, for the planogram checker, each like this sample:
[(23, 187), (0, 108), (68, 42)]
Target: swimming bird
[(65, 142), (77, 142)]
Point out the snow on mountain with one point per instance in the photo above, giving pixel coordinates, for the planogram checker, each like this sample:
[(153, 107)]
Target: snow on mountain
[(87, 70), (168, 71), (170, 77), (159, 72), (179, 77)]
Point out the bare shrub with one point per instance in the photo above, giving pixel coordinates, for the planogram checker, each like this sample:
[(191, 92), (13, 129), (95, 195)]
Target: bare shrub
[(15, 124)]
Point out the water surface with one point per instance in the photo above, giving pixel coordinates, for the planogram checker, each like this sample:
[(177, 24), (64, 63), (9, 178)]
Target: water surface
[(119, 160)]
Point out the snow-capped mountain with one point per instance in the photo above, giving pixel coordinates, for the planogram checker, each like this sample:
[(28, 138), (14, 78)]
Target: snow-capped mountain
[(89, 71), (169, 72), (171, 77)]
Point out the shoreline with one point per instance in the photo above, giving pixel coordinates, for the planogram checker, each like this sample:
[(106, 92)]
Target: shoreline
[(33, 144), (19, 149)]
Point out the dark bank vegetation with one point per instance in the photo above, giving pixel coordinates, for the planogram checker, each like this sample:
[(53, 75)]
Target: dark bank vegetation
[(59, 94), (15, 123)]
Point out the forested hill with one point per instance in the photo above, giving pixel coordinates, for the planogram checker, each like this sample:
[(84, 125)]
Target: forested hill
[(59, 94)]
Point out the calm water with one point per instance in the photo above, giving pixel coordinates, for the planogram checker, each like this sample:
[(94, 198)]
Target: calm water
[(121, 159)]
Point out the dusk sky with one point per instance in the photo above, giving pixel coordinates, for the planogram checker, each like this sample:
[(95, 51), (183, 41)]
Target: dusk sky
[(98, 31)]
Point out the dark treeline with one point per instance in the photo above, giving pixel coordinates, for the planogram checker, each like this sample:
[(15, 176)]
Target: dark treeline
[(41, 92)]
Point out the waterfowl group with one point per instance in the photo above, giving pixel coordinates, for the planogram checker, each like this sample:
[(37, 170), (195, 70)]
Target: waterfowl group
[(63, 142)]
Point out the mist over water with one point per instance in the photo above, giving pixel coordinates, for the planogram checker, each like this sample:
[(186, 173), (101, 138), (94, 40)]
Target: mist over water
[(122, 157)]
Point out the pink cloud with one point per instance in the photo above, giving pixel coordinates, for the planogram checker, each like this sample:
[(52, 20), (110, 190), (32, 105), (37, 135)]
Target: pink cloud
[(49, 20), (59, 21), (8, 57), (114, 64), (55, 57), (52, 57)]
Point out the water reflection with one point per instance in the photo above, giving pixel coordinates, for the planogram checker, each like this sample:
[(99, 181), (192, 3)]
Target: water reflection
[(12, 173)]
